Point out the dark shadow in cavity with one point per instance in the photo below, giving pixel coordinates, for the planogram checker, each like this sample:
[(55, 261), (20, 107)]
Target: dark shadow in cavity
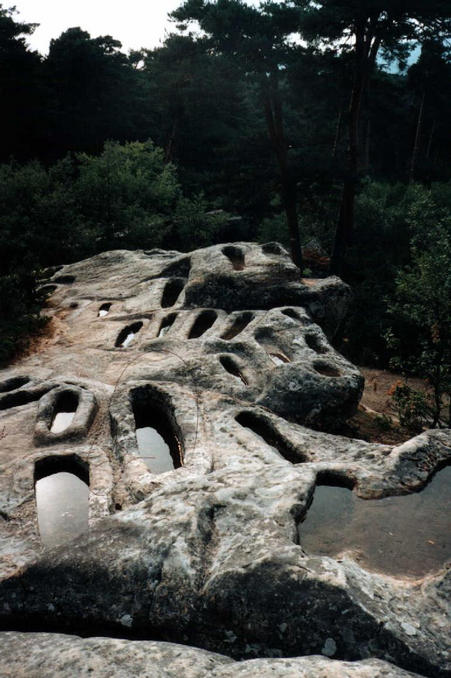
[(20, 398), (272, 248), (238, 326), (402, 535), (235, 255), (64, 279), (315, 344), (326, 370), (172, 291), (103, 310), (152, 410), (231, 366), (202, 323), (124, 333), (48, 289), (67, 463), (291, 314), (166, 324), (264, 429), (180, 268), (65, 406), (13, 383)]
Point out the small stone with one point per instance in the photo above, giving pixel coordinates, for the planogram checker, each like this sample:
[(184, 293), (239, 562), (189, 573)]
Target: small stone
[(126, 620), (283, 627), (329, 648), (409, 629)]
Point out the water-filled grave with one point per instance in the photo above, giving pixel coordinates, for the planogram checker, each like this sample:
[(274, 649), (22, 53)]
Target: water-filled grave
[(64, 412), (404, 535), (62, 500), (158, 444)]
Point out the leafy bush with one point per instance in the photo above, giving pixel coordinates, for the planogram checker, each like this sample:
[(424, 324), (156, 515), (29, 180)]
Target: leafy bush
[(412, 406)]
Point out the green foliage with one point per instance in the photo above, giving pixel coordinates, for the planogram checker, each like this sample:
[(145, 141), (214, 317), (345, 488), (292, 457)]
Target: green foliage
[(126, 195), (195, 225), (388, 218), (412, 406), (421, 306), (20, 305)]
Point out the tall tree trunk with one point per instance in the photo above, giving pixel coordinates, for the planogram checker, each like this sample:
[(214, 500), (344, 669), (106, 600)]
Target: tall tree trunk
[(366, 49), (431, 135), (343, 235), (367, 145), (274, 122), (416, 144), (170, 146), (337, 133)]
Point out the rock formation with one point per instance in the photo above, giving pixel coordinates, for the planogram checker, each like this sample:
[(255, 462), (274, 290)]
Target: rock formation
[(227, 352)]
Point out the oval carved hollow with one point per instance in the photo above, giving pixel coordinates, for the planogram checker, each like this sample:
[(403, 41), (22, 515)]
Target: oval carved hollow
[(126, 332), (235, 256), (315, 344), (166, 324), (380, 531), (265, 430), (62, 498), (64, 411), (231, 366), (239, 324), (13, 383), (172, 291), (203, 322), (326, 370), (157, 434), (104, 309), (290, 313)]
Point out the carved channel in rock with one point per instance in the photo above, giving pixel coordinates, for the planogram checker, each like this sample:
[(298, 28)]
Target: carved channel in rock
[(239, 324), (232, 367), (278, 357), (103, 310), (326, 370), (62, 498), (181, 268), (172, 291), (166, 324), (64, 279), (235, 256), (13, 383), (203, 322), (264, 430), (65, 407), (315, 344), (290, 313), (405, 535), (157, 436), (19, 398), (126, 335)]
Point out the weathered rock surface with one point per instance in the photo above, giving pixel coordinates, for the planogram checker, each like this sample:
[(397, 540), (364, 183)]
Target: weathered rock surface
[(231, 349), (62, 656)]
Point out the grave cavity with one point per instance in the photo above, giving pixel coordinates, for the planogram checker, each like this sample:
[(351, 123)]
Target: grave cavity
[(158, 437), (264, 430), (203, 322), (235, 255), (127, 334), (403, 535), (65, 408), (62, 498)]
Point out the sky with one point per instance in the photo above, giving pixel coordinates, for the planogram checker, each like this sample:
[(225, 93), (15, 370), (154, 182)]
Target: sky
[(136, 23)]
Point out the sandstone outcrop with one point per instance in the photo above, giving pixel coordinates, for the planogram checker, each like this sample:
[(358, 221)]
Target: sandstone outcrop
[(230, 351)]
